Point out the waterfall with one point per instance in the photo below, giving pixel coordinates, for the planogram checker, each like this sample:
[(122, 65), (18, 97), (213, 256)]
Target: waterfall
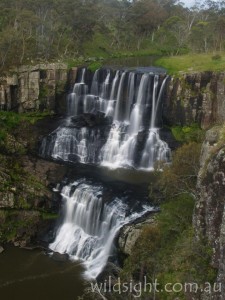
[(112, 121), (131, 93), (155, 149), (89, 225)]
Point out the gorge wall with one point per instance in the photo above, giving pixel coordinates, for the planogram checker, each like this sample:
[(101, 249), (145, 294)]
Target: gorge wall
[(190, 98), (209, 217), (34, 88), (28, 205), (196, 98)]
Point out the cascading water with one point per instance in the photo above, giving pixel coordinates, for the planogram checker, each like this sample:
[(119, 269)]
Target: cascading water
[(112, 121), (155, 149), (90, 225)]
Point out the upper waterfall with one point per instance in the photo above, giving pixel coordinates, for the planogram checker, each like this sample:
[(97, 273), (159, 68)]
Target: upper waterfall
[(113, 119)]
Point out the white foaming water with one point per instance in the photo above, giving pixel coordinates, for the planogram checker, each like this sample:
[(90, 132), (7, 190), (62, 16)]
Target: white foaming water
[(89, 226), (120, 147), (72, 144), (131, 103), (119, 150), (155, 150)]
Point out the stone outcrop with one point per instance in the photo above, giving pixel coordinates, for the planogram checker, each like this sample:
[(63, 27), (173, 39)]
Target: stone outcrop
[(195, 98), (209, 215), (130, 233), (34, 88), (28, 203)]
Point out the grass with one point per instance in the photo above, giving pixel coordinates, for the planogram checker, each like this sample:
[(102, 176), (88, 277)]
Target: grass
[(192, 63), (49, 216), (11, 120)]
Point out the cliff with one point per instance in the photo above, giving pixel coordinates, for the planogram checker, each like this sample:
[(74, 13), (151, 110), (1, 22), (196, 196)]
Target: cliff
[(36, 88), (27, 207), (209, 214), (195, 98)]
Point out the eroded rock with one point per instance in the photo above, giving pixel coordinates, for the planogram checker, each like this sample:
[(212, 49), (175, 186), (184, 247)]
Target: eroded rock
[(209, 214), (130, 233)]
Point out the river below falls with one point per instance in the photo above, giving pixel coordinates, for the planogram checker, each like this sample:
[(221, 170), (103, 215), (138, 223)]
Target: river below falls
[(26, 275)]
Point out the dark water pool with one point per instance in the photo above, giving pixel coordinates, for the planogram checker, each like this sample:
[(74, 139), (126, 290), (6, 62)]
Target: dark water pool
[(32, 275)]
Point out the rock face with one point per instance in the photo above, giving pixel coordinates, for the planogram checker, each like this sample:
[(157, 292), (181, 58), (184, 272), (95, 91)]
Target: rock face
[(189, 98), (195, 98), (33, 88), (130, 233), (28, 204), (209, 215)]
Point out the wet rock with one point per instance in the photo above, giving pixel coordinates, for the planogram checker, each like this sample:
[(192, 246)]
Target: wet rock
[(109, 273), (142, 136), (89, 120)]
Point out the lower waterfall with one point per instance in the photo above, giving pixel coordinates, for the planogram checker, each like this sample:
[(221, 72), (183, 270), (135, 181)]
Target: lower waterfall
[(90, 225)]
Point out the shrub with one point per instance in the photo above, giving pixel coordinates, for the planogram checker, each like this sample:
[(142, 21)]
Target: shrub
[(216, 57)]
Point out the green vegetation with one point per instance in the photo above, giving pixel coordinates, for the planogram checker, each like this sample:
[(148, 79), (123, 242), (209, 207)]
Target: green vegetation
[(192, 63), (94, 66), (17, 224), (11, 120), (102, 29), (23, 194), (167, 251), (49, 216), (187, 134)]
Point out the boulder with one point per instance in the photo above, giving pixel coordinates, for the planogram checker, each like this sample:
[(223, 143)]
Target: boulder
[(7, 199), (130, 233)]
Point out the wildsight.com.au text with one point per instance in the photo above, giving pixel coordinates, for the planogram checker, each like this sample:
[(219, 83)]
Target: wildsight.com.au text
[(137, 289)]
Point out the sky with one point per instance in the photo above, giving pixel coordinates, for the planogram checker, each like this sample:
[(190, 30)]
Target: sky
[(190, 3)]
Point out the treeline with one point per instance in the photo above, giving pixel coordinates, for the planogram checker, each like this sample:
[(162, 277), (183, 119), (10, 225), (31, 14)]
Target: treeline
[(46, 30)]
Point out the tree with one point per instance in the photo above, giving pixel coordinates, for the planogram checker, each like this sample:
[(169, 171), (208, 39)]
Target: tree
[(180, 178)]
